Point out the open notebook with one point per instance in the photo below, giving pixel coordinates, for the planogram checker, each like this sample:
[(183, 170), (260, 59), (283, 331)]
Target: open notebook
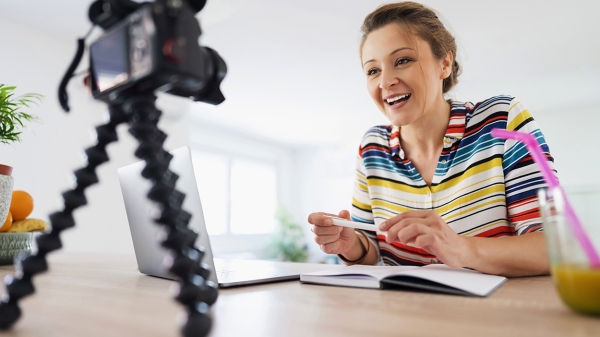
[(434, 277)]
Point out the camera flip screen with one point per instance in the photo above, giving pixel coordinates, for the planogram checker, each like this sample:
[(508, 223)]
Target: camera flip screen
[(110, 59)]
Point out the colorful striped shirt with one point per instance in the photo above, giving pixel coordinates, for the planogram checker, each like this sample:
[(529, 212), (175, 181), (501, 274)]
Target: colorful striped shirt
[(482, 186)]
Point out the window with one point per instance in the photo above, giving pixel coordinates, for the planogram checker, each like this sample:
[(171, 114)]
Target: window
[(239, 196), (253, 197), (212, 178)]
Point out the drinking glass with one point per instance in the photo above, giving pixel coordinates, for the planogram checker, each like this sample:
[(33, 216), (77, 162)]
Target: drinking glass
[(577, 282)]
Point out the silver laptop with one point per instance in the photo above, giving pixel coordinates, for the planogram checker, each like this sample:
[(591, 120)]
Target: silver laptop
[(145, 232)]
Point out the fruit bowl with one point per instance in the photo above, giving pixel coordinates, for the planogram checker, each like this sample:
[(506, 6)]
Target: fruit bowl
[(12, 244)]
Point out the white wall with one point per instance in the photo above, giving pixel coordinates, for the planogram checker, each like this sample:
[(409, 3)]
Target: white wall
[(572, 134)]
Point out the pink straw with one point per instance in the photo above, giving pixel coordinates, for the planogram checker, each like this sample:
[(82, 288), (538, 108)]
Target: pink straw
[(539, 158)]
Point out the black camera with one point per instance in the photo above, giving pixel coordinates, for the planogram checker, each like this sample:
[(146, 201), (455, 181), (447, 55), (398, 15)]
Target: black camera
[(152, 46)]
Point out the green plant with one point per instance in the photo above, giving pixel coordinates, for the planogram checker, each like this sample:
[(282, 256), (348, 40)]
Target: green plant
[(12, 118), (287, 242)]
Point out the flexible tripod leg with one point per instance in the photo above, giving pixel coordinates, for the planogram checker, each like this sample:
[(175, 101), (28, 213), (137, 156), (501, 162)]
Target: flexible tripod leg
[(196, 293), (21, 285)]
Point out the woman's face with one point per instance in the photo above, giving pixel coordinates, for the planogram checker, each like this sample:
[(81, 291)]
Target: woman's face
[(403, 76)]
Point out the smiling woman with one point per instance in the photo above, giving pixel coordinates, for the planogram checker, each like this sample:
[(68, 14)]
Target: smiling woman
[(435, 179), (403, 74)]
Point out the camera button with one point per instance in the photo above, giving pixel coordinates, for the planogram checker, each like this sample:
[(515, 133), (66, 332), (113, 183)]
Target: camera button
[(140, 49), (174, 50)]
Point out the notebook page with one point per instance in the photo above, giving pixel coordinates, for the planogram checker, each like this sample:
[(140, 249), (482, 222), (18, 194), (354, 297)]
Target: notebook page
[(378, 272), (459, 278)]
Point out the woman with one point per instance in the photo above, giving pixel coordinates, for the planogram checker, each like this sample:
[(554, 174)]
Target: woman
[(435, 180)]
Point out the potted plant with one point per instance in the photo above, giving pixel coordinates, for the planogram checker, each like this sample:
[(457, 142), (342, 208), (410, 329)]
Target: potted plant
[(12, 118), (12, 122), (287, 243)]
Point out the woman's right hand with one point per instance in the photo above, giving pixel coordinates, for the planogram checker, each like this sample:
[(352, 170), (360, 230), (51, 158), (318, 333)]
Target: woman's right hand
[(332, 239)]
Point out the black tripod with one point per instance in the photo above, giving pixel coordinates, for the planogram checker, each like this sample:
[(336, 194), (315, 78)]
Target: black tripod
[(196, 293)]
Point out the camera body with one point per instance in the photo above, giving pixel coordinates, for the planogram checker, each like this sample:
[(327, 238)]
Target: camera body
[(156, 47)]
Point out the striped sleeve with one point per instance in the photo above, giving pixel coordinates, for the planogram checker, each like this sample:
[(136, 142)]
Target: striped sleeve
[(522, 176), (361, 202)]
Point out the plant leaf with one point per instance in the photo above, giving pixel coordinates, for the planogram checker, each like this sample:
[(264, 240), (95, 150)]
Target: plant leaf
[(11, 114)]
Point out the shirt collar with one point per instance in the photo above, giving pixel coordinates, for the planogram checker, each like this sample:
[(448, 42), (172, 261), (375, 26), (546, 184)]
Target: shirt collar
[(454, 132)]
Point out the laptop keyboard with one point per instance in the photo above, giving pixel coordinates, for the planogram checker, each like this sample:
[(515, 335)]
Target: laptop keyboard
[(224, 275)]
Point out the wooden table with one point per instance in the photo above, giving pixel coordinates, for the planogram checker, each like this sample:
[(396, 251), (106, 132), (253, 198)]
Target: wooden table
[(105, 295)]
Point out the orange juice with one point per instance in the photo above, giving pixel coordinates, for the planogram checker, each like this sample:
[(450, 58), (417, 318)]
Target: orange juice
[(578, 286)]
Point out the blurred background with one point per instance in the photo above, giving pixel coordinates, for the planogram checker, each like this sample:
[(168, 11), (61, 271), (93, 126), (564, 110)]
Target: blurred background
[(296, 108)]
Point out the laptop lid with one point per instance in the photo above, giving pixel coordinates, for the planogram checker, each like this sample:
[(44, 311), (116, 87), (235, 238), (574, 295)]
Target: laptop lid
[(145, 232)]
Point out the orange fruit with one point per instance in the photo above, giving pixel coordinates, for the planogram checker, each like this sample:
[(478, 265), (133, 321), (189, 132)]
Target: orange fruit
[(7, 223), (21, 205)]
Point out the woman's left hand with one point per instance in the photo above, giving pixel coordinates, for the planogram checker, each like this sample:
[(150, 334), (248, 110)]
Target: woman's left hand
[(427, 230)]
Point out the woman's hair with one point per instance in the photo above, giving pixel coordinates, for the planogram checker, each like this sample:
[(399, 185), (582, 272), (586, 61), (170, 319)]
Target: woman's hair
[(421, 21)]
